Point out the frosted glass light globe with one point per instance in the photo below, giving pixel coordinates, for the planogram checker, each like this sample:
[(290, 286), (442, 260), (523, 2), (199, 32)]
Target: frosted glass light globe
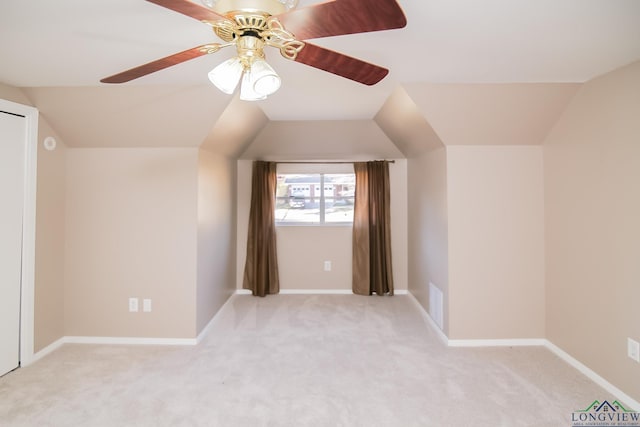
[(264, 79), (227, 75), (273, 7)]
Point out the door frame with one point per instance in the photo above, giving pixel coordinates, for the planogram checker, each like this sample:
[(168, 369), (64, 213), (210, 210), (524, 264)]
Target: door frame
[(27, 285)]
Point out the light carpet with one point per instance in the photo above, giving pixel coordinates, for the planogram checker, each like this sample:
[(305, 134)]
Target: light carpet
[(300, 360)]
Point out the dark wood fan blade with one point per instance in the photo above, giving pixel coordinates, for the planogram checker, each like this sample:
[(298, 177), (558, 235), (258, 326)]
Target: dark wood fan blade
[(341, 65), (340, 17), (190, 9), (157, 65)]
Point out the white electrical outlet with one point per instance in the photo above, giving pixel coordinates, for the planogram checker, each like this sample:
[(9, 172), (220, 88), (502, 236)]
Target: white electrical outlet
[(146, 305), (327, 266), (633, 349), (133, 304)]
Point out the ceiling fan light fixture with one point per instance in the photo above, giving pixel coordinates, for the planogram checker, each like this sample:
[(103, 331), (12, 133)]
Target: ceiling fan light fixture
[(251, 25), (263, 78), (227, 75)]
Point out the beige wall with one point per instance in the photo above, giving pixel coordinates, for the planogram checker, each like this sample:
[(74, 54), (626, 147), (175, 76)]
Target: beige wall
[(50, 241), (50, 229), (243, 200), (216, 234), (428, 257), (496, 242), (302, 252), (477, 233), (299, 262), (399, 228), (592, 199), (131, 231)]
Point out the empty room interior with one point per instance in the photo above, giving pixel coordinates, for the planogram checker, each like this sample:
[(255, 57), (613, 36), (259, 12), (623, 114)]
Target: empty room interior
[(509, 131)]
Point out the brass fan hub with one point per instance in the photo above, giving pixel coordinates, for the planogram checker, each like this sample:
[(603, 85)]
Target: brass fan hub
[(267, 29), (250, 21), (240, 22)]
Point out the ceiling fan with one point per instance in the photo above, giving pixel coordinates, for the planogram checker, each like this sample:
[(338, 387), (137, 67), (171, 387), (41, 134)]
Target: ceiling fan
[(250, 25)]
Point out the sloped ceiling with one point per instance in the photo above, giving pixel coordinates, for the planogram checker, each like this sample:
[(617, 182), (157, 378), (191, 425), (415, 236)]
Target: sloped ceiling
[(491, 114), (136, 116), (405, 125), (236, 129), (470, 67), (322, 140)]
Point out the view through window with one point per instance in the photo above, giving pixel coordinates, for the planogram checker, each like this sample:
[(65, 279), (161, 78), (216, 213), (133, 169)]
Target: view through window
[(320, 198)]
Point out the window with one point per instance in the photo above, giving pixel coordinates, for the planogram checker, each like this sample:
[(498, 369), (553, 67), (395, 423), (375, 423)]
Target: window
[(315, 198)]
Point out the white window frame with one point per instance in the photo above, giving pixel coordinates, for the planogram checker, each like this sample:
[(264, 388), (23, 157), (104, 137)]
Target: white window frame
[(321, 169)]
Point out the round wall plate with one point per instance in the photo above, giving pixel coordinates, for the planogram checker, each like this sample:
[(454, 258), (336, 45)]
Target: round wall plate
[(49, 143)]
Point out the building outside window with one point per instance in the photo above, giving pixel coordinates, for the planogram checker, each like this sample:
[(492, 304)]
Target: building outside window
[(315, 198)]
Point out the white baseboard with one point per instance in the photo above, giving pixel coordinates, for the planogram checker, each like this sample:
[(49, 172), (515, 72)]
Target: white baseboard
[(206, 329), (619, 394), (126, 340), (46, 351), (316, 292), (540, 342), (427, 317), (130, 341), (518, 342)]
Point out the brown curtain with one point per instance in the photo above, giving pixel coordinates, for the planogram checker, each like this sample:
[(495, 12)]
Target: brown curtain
[(261, 267), (372, 270)]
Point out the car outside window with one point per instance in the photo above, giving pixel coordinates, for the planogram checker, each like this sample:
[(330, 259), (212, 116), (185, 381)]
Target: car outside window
[(315, 199)]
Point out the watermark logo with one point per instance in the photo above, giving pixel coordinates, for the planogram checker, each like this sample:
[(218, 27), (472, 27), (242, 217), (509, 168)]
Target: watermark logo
[(605, 414)]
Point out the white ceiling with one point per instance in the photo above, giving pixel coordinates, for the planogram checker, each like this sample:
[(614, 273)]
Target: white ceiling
[(77, 42)]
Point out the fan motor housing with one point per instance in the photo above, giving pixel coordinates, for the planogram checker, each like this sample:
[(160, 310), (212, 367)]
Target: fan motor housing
[(240, 23)]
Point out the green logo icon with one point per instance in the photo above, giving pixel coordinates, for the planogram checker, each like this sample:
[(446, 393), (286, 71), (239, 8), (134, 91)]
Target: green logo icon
[(605, 414)]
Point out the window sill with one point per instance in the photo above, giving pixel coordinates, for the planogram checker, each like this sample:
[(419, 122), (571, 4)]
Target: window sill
[(333, 224)]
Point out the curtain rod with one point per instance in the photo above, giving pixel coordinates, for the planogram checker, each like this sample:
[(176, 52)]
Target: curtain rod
[(326, 163)]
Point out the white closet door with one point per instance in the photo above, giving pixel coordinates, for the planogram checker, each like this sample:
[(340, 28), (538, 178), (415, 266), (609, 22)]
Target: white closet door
[(12, 169)]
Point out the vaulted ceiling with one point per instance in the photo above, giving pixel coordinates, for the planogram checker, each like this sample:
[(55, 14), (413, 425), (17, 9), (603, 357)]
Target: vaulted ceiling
[(504, 69)]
